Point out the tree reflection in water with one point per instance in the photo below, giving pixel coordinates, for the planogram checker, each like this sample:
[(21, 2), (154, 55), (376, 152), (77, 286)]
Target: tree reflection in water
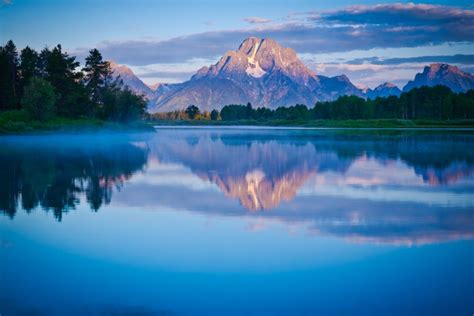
[(53, 172)]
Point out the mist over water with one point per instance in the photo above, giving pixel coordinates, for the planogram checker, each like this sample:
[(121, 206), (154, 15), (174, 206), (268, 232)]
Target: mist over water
[(119, 224)]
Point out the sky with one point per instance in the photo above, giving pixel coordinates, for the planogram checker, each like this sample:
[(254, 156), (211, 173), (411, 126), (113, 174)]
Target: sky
[(168, 41)]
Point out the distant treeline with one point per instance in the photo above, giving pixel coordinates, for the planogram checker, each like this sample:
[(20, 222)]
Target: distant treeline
[(435, 103), (51, 83)]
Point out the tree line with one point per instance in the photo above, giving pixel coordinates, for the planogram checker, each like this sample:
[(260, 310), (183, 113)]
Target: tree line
[(434, 103), (52, 83)]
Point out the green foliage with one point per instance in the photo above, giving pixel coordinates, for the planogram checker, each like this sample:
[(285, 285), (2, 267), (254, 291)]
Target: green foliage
[(214, 115), (438, 103), (122, 105), (49, 83), (234, 112), (192, 112), (38, 99), (60, 71), (346, 107), (96, 74), (9, 76), (28, 67)]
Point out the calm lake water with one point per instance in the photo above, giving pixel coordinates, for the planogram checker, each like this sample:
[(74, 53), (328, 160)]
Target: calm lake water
[(237, 221)]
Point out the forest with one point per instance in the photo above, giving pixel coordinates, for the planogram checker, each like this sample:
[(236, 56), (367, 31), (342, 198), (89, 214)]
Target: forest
[(424, 103), (41, 86)]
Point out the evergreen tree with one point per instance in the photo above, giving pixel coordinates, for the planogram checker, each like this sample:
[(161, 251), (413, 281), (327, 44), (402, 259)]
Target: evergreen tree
[(214, 115), (60, 71), (122, 105), (43, 62), (192, 111), (5, 85), (28, 67), (97, 72), (9, 76)]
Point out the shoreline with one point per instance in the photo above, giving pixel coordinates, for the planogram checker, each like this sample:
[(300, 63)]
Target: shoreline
[(269, 127), (325, 124), (75, 127)]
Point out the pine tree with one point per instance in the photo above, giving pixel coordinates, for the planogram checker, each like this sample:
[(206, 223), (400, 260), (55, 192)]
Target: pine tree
[(97, 72), (9, 76), (28, 67), (60, 71)]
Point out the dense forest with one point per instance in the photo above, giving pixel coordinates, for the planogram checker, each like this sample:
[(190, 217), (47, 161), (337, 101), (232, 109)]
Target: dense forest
[(51, 83), (434, 103)]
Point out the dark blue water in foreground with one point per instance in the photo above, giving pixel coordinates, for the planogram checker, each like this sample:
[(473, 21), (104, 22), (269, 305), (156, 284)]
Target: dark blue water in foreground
[(238, 222)]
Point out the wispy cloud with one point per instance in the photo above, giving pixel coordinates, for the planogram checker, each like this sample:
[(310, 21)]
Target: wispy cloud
[(170, 73), (257, 20), (352, 28), (4, 3), (451, 59), (401, 14)]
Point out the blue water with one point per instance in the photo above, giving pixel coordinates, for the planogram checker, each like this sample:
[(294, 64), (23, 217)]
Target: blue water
[(238, 222)]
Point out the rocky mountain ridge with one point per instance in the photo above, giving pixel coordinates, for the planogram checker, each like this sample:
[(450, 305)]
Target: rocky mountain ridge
[(442, 74), (266, 74)]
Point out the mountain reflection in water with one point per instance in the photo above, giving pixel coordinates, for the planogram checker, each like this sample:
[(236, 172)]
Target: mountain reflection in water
[(394, 187)]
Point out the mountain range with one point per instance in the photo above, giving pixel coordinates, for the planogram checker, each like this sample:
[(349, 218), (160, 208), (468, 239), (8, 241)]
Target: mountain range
[(442, 74), (264, 73)]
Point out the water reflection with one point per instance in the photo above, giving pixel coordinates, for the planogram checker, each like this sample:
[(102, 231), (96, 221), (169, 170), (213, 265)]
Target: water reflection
[(403, 188), (55, 172), (263, 169), (397, 187)]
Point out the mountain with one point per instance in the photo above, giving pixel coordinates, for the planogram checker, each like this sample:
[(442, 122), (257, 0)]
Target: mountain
[(131, 80), (266, 74), (363, 88), (384, 90), (260, 71), (154, 86), (442, 74)]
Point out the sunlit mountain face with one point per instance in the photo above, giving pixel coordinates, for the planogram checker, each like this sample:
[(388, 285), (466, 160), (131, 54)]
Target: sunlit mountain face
[(378, 187)]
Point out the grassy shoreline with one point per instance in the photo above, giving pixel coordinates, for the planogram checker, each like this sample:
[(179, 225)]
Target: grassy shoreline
[(18, 122), (381, 123)]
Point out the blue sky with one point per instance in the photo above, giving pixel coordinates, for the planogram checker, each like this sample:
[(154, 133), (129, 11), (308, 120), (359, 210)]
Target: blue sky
[(167, 41)]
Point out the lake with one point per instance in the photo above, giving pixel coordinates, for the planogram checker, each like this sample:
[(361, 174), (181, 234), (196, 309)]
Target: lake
[(238, 221)]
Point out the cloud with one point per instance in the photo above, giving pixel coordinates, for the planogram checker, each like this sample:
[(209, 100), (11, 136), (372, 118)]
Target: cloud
[(451, 59), (257, 20), (353, 28), (170, 72), (4, 3), (371, 75), (401, 14), (178, 75)]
